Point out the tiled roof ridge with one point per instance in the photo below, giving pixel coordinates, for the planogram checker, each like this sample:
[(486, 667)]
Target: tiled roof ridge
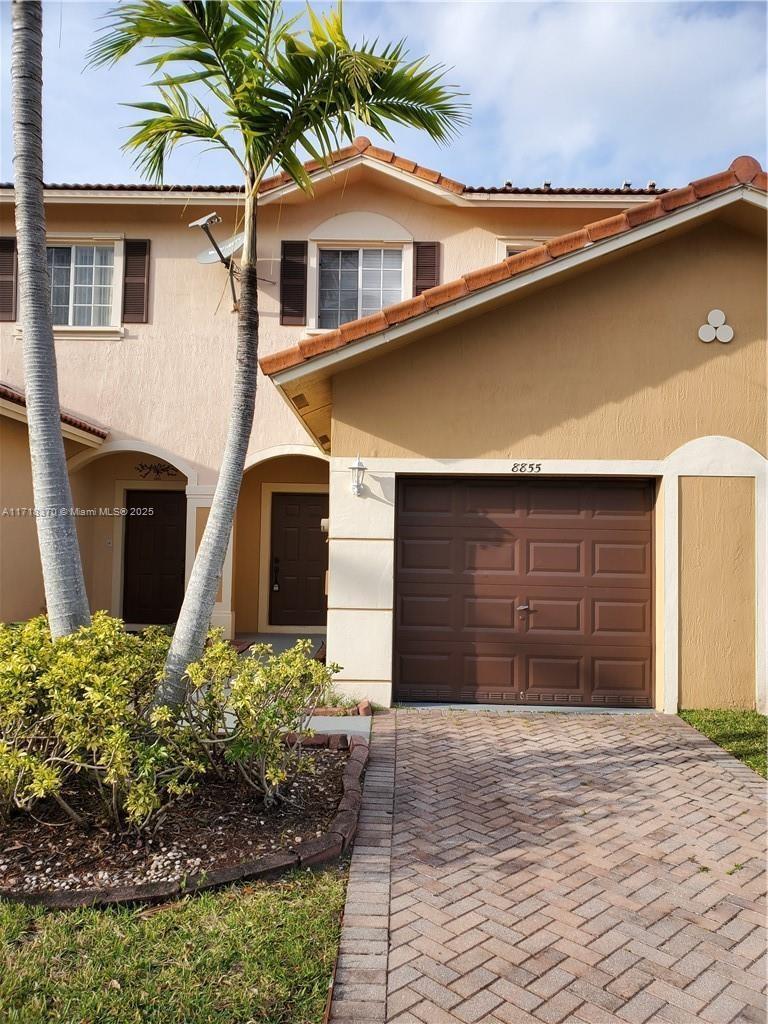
[(744, 170), (362, 145), (12, 394)]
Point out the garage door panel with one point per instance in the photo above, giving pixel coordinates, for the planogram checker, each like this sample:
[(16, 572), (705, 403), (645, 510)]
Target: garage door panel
[(621, 617), (555, 617), (552, 673), (540, 593), (625, 559), (620, 675), (556, 557)]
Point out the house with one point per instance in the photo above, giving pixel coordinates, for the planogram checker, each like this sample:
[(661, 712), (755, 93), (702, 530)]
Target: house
[(533, 421)]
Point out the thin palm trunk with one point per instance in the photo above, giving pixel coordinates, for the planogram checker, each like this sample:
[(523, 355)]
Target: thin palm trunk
[(200, 597), (65, 594)]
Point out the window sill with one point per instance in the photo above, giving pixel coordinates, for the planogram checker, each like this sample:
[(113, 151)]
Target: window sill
[(60, 333)]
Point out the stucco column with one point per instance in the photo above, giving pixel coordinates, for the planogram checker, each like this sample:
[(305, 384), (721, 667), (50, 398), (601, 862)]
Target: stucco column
[(199, 500), (361, 573)]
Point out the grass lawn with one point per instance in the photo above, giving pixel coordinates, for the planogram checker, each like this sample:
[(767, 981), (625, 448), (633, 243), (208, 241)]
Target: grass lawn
[(260, 953), (742, 733)]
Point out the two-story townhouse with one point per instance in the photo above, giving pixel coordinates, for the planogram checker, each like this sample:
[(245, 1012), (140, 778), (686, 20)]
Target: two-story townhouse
[(526, 528)]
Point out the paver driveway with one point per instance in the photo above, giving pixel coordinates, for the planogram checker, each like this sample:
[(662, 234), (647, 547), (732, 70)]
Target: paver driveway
[(527, 868)]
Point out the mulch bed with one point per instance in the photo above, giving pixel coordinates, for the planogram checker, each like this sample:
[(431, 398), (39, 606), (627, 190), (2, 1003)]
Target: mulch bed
[(211, 834)]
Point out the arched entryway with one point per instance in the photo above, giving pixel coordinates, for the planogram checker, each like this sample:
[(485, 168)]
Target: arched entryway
[(132, 532), (280, 551)]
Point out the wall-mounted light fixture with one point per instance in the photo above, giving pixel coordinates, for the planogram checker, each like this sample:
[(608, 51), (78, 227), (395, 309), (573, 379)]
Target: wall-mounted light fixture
[(358, 473)]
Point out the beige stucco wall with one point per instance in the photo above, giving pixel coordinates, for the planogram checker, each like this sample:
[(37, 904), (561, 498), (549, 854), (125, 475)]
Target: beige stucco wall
[(606, 364), (167, 382), (247, 549), (717, 588)]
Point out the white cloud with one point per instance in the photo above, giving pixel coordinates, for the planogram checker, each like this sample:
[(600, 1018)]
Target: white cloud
[(596, 92)]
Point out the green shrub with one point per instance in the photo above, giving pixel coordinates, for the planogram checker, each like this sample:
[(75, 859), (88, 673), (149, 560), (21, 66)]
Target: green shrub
[(252, 711), (83, 705), (27, 744)]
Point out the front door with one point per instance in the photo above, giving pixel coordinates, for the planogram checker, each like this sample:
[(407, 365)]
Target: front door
[(153, 564), (299, 560)]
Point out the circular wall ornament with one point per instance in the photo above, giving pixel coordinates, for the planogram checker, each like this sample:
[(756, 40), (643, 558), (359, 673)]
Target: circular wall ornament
[(716, 318), (716, 328), (707, 333)]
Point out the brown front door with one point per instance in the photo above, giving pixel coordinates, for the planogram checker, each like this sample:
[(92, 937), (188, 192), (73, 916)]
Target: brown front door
[(299, 560), (524, 591), (153, 563)]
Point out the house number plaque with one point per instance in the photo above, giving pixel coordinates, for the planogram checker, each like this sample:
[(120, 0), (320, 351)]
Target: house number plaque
[(526, 467)]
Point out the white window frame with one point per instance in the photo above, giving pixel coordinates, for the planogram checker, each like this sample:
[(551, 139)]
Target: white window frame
[(114, 329), (516, 243), (313, 274)]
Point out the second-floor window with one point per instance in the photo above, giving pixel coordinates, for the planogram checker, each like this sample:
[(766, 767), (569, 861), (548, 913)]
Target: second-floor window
[(81, 284), (356, 282)]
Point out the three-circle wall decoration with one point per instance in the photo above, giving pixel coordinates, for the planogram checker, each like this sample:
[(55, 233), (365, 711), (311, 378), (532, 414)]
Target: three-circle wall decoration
[(716, 328)]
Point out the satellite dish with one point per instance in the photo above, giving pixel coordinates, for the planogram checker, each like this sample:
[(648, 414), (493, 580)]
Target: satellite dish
[(226, 249)]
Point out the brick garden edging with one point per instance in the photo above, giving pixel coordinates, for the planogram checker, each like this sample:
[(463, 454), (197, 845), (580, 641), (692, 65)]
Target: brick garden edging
[(320, 850)]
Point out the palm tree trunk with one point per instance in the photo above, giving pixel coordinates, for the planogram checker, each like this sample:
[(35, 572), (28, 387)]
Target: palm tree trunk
[(56, 532), (195, 615)]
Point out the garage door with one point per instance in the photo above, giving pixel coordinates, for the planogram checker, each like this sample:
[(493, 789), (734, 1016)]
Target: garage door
[(524, 591)]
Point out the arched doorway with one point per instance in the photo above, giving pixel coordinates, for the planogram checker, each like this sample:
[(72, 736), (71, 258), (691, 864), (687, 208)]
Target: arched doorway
[(132, 533), (280, 548)]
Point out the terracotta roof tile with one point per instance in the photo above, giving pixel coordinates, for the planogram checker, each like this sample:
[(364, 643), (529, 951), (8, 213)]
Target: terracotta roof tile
[(568, 243), (527, 259), (485, 276), (447, 292), (282, 360), (12, 394), (708, 186), (607, 227), (405, 310), (362, 327), (743, 170), (678, 197)]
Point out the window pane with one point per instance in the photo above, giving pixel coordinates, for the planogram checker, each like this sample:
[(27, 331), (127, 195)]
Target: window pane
[(392, 278), (393, 259), (83, 296), (371, 258), (105, 255), (371, 278), (83, 275), (81, 316), (102, 276), (84, 255), (60, 315), (102, 316), (329, 318), (349, 259)]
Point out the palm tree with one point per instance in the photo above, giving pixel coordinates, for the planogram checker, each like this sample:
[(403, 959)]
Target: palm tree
[(274, 88), (65, 594)]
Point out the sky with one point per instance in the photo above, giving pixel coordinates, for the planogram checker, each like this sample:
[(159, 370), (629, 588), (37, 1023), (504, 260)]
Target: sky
[(573, 93)]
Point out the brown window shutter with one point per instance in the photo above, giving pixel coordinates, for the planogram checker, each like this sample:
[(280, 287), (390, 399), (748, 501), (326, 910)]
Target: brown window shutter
[(293, 284), (136, 281), (7, 279), (426, 266)]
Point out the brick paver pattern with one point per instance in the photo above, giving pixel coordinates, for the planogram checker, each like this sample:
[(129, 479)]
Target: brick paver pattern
[(588, 869)]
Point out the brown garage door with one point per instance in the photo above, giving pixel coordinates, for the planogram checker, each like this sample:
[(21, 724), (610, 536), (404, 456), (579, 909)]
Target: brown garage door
[(524, 591)]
